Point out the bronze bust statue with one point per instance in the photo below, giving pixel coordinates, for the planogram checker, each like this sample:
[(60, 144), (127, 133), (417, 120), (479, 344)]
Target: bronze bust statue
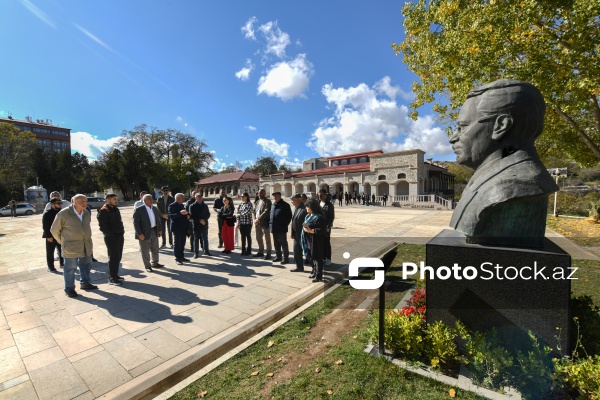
[(506, 200)]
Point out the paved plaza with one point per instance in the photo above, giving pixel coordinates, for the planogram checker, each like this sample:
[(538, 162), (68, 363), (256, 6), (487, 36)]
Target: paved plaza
[(110, 341)]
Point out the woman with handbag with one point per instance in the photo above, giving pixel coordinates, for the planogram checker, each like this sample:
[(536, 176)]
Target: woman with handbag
[(229, 220), (313, 238)]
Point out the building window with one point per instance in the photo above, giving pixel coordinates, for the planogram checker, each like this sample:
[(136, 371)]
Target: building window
[(344, 162), (60, 133), (353, 161), (334, 163), (401, 176), (381, 178), (362, 160), (41, 130), (24, 128)]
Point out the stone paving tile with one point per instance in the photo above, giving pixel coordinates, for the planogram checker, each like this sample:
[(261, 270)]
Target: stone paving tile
[(38, 294), (144, 330), (163, 344), (241, 317), (209, 322), (59, 320), (272, 293), (12, 364), (129, 352), (94, 320), (3, 320), (74, 340), (23, 321), (29, 285), (221, 311), (43, 358), (79, 306), (251, 297), (22, 391), (203, 337), (47, 306), (16, 306), (182, 331), (242, 305), (145, 367), (130, 320), (98, 381), (85, 396), (34, 340), (278, 286), (6, 338), (290, 282), (108, 334), (59, 380), (86, 353)]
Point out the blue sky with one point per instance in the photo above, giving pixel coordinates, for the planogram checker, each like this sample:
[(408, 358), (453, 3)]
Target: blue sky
[(251, 78)]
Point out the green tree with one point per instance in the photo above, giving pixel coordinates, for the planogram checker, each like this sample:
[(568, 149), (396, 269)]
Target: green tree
[(235, 167), (263, 166), (454, 45), (16, 150)]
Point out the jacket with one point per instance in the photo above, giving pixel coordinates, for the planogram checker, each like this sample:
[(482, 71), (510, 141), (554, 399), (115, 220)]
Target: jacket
[(110, 221), (160, 203), (297, 221), (141, 222), (245, 211), (281, 215), (47, 220), (217, 206), (328, 213), (72, 234), (263, 207), (179, 222), (227, 215), (199, 211)]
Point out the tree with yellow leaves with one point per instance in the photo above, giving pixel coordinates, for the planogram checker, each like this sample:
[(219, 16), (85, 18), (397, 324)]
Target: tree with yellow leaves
[(455, 45)]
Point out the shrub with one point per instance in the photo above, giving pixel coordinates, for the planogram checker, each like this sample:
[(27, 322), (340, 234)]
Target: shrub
[(581, 375), (533, 371), (440, 346), (490, 364), (403, 335)]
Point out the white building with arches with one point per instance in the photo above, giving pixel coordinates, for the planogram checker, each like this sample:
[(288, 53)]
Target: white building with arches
[(404, 176), (234, 184)]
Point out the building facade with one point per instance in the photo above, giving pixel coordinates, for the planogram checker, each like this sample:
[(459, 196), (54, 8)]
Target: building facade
[(50, 137), (234, 184), (404, 176)]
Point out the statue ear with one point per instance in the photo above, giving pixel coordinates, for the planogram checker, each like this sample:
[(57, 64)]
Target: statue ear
[(502, 125)]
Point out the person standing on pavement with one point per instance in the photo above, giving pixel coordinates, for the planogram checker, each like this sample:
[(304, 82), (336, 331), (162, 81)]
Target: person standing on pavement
[(297, 220), (262, 213), (244, 217), (190, 230), (51, 243), (56, 195), (179, 223), (281, 215), (373, 199), (228, 225), (71, 229), (340, 199), (13, 207), (111, 225), (146, 224), (199, 215), (163, 203), (384, 199), (140, 202), (218, 206), (329, 214), (313, 238)]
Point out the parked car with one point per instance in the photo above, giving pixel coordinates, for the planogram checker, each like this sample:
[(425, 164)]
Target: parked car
[(95, 202), (22, 209)]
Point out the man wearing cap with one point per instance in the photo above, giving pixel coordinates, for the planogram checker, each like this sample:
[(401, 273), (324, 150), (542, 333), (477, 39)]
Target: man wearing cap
[(51, 243), (281, 215), (261, 223), (297, 220), (163, 203)]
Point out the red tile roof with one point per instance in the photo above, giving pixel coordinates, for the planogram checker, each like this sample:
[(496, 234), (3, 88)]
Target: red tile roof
[(230, 177), (340, 169), (354, 155)]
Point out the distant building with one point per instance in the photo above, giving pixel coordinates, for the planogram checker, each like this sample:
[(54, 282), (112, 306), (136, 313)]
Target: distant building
[(50, 137), (234, 184), (404, 176)]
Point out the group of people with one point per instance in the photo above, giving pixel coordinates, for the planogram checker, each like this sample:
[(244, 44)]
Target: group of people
[(355, 198), (67, 230)]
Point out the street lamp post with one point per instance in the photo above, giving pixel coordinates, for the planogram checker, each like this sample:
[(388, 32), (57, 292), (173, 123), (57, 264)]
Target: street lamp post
[(557, 172), (188, 178)]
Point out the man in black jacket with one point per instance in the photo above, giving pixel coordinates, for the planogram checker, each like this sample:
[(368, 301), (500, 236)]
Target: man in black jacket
[(281, 215), (329, 214), (163, 202), (111, 225), (179, 217), (146, 223), (217, 206), (51, 243), (297, 220), (190, 231), (199, 216)]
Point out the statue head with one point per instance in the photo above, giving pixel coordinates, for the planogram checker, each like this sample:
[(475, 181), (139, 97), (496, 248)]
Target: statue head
[(496, 120)]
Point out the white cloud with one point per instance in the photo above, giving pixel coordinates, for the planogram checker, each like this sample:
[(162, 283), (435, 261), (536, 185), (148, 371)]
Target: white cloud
[(180, 120), (244, 73), (362, 122), (90, 145), (292, 163), (94, 38), (277, 40), (287, 80), (384, 86), (271, 146), (248, 28), (250, 127)]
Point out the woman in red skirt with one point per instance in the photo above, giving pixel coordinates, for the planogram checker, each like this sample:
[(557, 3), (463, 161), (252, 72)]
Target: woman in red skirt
[(228, 218)]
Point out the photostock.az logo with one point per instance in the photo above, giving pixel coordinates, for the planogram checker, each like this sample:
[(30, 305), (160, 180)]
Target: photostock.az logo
[(361, 263)]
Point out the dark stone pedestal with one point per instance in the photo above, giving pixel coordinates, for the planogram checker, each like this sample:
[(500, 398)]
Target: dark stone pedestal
[(512, 306)]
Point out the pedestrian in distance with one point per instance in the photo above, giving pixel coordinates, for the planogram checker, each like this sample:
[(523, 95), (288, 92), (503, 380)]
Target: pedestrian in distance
[(13, 208)]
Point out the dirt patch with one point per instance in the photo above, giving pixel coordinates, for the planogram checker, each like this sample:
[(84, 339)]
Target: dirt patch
[(584, 232), (328, 331)]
